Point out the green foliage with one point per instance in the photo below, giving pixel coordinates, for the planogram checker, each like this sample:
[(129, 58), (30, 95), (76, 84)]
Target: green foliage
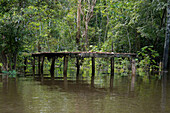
[(49, 26), (11, 73), (1, 64), (147, 58)]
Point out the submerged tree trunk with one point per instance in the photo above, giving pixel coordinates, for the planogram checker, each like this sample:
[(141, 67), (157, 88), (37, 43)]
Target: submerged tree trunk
[(166, 44)]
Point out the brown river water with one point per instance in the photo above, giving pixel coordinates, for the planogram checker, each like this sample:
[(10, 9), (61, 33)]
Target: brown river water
[(100, 95)]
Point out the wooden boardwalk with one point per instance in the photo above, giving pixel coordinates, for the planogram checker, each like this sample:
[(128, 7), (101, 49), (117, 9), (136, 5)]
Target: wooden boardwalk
[(78, 55), (84, 54)]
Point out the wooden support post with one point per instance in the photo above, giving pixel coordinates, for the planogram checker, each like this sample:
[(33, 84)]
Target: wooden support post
[(33, 66), (78, 68), (39, 66), (52, 68), (25, 65), (133, 67), (93, 66), (42, 65), (112, 66), (65, 67)]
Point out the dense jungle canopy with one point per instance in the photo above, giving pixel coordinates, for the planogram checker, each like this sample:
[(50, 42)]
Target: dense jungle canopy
[(126, 26)]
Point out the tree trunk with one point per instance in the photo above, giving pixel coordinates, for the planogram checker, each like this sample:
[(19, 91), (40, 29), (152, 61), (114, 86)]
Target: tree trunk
[(9, 61), (86, 34), (87, 15), (14, 61), (166, 44), (129, 41), (78, 24), (4, 61)]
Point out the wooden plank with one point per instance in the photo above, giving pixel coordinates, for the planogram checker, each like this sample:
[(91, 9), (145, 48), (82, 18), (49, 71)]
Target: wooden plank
[(133, 67), (86, 54), (65, 66), (52, 68), (112, 66), (93, 66), (105, 55)]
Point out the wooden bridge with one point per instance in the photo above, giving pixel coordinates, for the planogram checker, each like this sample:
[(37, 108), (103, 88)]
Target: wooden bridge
[(78, 56)]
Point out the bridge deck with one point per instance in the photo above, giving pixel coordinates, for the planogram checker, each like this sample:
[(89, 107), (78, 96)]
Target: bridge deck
[(84, 54)]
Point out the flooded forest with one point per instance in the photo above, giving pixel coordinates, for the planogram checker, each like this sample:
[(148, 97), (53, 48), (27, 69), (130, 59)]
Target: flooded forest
[(84, 56)]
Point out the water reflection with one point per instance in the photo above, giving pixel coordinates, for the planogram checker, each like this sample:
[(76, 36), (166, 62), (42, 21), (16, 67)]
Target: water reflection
[(11, 100), (5, 82), (0, 78), (92, 81), (94, 95), (65, 83), (111, 83), (132, 83), (163, 95)]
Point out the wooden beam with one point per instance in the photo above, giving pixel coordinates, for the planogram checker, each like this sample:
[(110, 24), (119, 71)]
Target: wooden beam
[(52, 68), (65, 66), (104, 54), (133, 67), (112, 66), (33, 66), (86, 54), (93, 66)]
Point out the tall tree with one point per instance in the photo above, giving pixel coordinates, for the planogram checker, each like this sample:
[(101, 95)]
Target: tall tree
[(12, 34), (78, 24), (167, 36), (87, 12)]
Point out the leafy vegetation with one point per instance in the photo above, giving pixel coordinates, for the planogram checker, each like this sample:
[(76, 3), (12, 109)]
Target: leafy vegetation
[(147, 58), (136, 26)]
